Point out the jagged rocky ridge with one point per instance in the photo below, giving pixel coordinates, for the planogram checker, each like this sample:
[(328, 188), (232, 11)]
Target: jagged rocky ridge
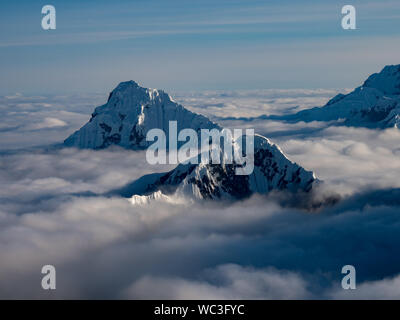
[(132, 110), (272, 171)]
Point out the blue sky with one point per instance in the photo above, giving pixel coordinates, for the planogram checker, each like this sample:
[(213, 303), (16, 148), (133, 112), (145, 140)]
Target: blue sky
[(183, 45)]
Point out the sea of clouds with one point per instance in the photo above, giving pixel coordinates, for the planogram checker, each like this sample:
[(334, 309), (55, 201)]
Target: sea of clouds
[(54, 209)]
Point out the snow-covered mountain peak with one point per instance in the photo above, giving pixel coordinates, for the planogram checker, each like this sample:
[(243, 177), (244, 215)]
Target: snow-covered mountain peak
[(375, 104), (387, 81), (131, 89), (272, 171), (130, 112), (127, 85)]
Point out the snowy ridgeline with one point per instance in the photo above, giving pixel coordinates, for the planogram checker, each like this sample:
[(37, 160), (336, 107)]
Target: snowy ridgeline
[(375, 104), (131, 111)]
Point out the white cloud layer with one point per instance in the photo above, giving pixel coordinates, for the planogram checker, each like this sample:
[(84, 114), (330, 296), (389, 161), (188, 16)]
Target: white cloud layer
[(53, 211), (234, 282)]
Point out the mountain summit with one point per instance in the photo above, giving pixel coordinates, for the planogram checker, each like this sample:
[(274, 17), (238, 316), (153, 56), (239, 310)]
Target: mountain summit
[(375, 104), (272, 171), (387, 81), (130, 112)]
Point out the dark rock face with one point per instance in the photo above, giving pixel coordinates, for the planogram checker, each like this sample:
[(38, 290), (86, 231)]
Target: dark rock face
[(272, 171)]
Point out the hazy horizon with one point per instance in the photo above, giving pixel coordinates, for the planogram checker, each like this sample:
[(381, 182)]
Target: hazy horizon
[(181, 46)]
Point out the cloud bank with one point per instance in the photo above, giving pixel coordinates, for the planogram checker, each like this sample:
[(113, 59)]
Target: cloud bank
[(53, 211)]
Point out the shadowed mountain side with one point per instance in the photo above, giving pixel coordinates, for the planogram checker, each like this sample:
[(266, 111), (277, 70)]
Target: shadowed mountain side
[(271, 171)]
